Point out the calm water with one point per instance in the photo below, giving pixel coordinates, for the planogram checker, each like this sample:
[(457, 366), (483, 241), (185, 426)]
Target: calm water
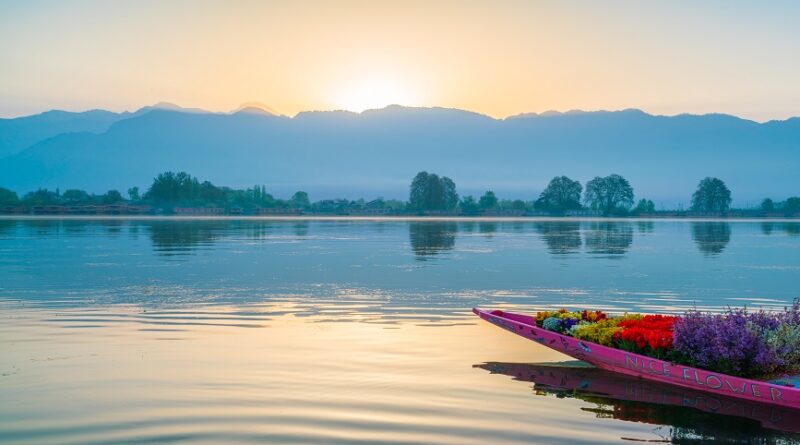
[(343, 331)]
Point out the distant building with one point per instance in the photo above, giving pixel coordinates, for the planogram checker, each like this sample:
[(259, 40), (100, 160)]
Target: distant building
[(694, 214), (369, 212), (339, 206), (584, 212), (503, 212), (441, 212), (199, 211), (112, 209), (538, 213), (278, 211), (140, 210), (14, 210), (48, 210)]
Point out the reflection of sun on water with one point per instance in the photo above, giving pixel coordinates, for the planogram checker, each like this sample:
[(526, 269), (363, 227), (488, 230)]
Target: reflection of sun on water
[(375, 93)]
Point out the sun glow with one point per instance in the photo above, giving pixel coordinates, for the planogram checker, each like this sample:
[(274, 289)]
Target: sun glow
[(375, 93)]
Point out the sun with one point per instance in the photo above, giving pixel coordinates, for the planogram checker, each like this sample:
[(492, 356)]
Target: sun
[(368, 94)]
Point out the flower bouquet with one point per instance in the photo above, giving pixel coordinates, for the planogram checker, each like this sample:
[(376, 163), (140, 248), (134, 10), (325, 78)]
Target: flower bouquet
[(737, 342)]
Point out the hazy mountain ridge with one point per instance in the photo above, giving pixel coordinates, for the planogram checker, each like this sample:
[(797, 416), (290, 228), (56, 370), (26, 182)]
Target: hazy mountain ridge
[(19, 133), (376, 152)]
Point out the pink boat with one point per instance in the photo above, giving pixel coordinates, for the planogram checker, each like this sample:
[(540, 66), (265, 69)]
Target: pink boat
[(617, 360)]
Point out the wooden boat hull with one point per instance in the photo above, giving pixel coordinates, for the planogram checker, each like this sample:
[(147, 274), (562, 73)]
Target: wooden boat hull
[(637, 365)]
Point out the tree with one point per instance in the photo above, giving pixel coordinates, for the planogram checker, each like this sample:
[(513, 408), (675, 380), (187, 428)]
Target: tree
[(377, 203), (430, 192), (42, 197), (469, 206), (172, 187), (112, 197), (561, 194), (792, 205), (645, 206), (300, 200), (612, 194), (209, 193), (133, 194), (488, 200), (435, 193), (417, 198), (8, 197), (74, 196), (450, 193), (712, 195), (767, 205), (395, 205), (518, 204)]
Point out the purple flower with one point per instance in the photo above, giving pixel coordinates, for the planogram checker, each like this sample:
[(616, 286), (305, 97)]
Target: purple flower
[(567, 323), (791, 315), (732, 343)]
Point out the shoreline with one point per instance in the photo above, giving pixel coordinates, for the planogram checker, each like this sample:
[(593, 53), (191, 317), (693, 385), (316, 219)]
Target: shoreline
[(383, 218)]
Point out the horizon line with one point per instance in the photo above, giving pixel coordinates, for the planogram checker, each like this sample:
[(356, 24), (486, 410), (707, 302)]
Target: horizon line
[(170, 106)]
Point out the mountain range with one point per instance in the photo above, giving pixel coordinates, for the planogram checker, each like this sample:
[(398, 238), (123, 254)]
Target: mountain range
[(377, 152)]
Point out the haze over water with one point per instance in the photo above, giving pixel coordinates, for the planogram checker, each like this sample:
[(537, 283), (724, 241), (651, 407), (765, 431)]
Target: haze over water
[(354, 331)]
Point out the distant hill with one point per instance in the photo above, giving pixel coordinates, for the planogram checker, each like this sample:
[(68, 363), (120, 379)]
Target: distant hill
[(344, 154), (20, 133)]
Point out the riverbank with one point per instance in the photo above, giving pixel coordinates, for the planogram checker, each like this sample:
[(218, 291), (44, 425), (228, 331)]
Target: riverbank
[(418, 218)]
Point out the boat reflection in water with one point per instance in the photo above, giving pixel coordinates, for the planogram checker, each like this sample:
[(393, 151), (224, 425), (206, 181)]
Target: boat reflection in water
[(692, 416)]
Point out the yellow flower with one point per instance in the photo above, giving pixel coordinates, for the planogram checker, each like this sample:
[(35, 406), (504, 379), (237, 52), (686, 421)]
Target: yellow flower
[(601, 332), (571, 315)]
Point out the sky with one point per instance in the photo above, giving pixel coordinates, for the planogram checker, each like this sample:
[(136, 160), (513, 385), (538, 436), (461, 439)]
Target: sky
[(498, 58)]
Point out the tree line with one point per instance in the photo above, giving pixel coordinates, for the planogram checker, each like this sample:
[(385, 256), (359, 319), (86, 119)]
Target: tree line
[(168, 189), (609, 195), (429, 193)]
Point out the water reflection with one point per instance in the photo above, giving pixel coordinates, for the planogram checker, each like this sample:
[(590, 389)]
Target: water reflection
[(301, 228), (113, 227), (609, 237), (467, 226), (7, 226), (181, 237), (561, 237), (43, 227), (603, 239), (645, 226), (692, 415), (711, 237), (789, 228), (431, 238), (487, 228), (375, 266)]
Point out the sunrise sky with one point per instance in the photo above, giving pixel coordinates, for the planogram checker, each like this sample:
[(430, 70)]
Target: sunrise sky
[(495, 57)]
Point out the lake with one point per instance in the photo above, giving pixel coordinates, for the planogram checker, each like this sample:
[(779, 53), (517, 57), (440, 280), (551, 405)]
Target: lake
[(360, 331)]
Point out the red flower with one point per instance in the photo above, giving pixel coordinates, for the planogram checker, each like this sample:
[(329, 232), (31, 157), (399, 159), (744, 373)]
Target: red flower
[(654, 331), (593, 316)]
